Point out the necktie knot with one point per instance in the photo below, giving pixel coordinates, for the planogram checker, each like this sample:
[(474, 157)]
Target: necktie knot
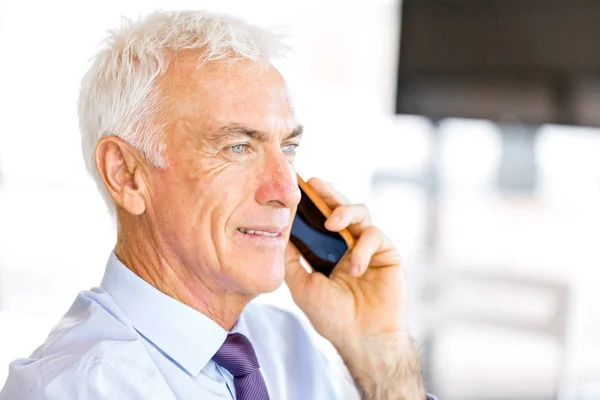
[(237, 355)]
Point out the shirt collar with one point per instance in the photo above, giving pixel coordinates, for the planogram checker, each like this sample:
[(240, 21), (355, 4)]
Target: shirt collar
[(187, 336)]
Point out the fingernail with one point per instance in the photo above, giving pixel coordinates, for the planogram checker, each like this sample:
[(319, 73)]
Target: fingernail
[(355, 269)]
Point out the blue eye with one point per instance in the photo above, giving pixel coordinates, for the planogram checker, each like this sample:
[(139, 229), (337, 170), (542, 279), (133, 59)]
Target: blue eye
[(290, 148), (238, 148)]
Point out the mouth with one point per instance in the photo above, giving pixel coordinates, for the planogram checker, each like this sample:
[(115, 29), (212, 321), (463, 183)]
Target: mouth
[(262, 231), (259, 232)]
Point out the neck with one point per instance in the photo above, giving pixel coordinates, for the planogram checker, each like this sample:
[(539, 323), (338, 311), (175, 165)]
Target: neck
[(150, 259)]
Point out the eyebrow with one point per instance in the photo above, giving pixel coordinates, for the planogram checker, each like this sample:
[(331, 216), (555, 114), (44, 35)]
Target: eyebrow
[(235, 131)]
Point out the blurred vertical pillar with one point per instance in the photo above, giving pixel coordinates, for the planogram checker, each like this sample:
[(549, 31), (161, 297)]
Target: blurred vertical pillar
[(431, 183), (518, 166)]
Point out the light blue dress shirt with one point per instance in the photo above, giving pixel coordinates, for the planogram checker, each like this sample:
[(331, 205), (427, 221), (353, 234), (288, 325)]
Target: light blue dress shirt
[(128, 340)]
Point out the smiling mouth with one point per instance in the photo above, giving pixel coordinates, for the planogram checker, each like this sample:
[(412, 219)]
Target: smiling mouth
[(259, 233)]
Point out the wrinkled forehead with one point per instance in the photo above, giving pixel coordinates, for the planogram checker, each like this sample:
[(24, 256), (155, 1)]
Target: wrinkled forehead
[(215, 94)]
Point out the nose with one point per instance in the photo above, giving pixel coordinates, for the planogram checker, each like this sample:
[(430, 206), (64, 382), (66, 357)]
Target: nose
[(278, 186)]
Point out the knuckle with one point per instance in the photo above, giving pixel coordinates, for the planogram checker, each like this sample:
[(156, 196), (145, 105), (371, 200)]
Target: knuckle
[(337, 211), (372, 230), (346, 209), (362, 209)]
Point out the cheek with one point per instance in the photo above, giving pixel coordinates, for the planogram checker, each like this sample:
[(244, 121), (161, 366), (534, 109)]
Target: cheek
[(176, 203), (206, 196), (224, 194), (231, 202), (175, 192), (186, 182)]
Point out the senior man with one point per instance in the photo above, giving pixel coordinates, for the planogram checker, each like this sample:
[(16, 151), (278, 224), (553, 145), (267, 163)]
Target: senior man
[(190, 135)]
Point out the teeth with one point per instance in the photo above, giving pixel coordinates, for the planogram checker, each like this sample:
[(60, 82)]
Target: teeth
[(262, 233), (267, 234)]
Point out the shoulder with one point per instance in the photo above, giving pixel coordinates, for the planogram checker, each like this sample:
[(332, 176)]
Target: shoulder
[(71, 377), (94, 327), (91, 344)]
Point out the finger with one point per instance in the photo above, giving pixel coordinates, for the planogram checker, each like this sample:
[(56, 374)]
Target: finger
[(344, 215), (328, 193), (355, 217), (371, 244)]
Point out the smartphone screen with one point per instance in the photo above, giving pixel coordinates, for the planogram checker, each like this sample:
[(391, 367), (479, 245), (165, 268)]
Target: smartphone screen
[(322, 249)]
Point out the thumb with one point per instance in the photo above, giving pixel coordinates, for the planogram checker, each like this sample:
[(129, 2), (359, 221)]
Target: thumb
[(296, 277)]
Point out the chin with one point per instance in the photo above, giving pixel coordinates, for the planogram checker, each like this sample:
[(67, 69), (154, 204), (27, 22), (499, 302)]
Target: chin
[(265, 278)]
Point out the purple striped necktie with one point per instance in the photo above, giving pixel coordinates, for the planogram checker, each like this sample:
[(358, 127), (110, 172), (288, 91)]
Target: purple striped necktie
[(238, 357)]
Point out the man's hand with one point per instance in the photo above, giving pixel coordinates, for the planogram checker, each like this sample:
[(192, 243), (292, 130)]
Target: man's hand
[(360, 307)]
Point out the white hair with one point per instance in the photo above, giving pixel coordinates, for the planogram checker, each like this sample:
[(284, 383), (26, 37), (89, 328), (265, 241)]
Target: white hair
[(119, 96)]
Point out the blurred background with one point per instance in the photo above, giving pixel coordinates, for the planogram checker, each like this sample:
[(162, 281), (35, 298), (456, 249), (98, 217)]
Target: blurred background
[(466, 126)]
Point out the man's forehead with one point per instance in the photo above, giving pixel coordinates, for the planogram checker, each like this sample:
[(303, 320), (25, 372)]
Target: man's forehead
[(220, 76), (218, 95), (260, 117)]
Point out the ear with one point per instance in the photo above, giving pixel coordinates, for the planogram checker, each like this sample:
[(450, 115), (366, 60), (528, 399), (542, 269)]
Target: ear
[(121, 169)]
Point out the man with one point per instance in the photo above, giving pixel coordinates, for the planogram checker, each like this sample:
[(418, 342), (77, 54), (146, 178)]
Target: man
[(190, 134)]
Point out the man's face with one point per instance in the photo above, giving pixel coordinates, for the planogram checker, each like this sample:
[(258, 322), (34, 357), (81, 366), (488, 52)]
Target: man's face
[(225, 204)]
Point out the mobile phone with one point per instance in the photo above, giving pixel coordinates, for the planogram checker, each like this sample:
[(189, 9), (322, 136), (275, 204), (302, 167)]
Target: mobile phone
[(321, 248)]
